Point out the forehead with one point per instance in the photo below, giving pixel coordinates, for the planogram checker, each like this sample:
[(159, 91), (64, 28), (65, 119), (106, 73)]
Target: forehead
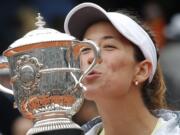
[(102, 29)]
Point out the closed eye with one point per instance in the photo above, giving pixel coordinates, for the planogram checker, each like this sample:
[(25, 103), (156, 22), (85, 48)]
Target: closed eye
[(85, 50), (109, 47)]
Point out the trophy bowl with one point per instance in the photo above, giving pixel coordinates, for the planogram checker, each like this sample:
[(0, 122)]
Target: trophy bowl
[(46, 79)]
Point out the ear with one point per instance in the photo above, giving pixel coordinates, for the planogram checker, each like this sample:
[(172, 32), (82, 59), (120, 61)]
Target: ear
[(143, 71)]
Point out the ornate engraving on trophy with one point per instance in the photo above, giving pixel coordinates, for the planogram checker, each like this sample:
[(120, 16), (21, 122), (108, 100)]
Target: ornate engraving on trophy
[(27, 72)]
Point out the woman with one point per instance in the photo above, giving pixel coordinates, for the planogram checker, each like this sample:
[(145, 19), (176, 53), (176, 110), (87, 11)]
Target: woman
[(127, 85)]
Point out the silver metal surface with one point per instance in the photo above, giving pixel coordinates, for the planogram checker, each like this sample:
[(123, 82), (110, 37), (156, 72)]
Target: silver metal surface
[(46, 77), (47, 84)]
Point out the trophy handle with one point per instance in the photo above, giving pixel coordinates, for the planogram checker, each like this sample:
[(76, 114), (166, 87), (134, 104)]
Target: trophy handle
[(4, 66), (96, 59), (6, 90)]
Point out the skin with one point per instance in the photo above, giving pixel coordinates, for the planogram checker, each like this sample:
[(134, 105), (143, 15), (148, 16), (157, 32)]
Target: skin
[(87, 112), (112, 82), (21, 126), (5, 81)]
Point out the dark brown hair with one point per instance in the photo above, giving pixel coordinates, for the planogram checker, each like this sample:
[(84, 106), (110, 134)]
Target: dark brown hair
[(153, 93)]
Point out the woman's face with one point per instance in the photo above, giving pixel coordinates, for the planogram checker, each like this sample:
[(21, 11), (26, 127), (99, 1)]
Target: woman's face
[(114, 76)]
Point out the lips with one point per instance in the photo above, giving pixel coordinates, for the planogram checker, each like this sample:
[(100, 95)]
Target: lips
[(92, 75), (94, 72)]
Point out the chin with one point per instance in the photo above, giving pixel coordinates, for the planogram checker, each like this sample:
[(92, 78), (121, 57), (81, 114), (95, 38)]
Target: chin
[(90, 94)]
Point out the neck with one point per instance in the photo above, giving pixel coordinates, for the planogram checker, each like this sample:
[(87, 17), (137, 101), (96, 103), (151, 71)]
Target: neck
[(126, 115)]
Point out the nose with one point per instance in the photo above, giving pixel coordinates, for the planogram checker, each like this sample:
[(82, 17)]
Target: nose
[(90, 58)]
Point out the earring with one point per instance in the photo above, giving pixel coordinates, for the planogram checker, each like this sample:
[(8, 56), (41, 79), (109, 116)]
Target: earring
[(136, 83)]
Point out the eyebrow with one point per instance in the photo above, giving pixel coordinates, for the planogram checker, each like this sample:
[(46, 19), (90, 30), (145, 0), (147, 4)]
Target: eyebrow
[(107, 37), (104, 38)]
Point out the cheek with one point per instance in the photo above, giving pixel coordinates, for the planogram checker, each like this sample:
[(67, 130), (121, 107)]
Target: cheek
[(120, 74), (115, 64), (116, 80), (121, 63)]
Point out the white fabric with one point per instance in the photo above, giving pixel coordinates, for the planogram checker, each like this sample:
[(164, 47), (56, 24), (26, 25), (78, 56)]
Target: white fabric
[(169, 127), (81, 16), (95, 130)]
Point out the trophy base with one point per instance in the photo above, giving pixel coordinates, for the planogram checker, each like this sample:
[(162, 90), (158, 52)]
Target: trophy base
[(63, 132), (55, 126)]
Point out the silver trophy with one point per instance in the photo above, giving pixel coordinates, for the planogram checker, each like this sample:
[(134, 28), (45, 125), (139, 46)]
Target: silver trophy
[(46, 78)]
